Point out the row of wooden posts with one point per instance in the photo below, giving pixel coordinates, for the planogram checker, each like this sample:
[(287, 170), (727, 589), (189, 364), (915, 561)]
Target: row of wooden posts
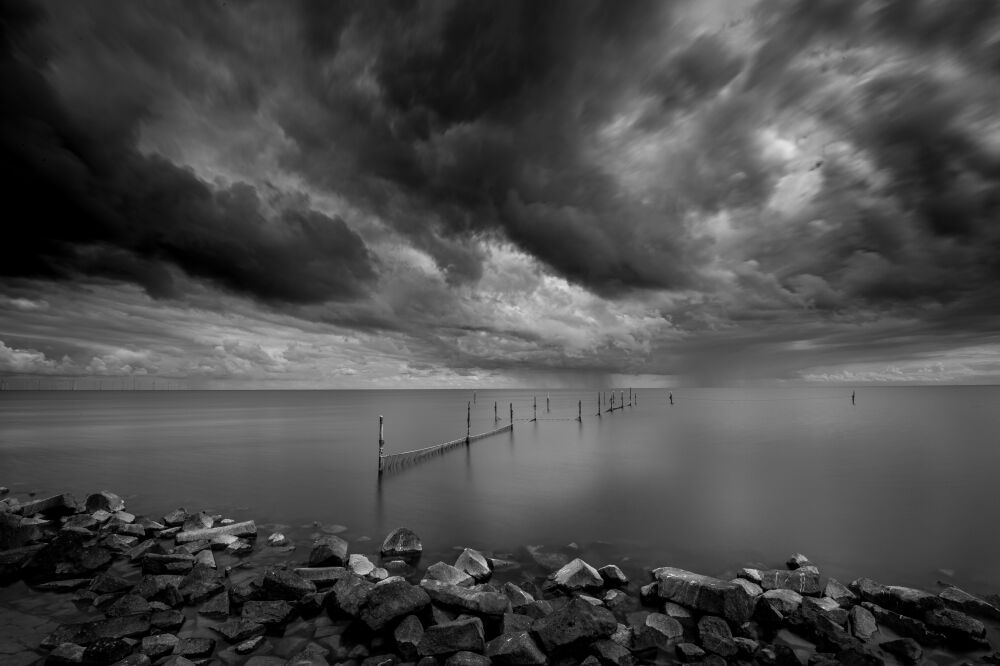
[(602, 399)]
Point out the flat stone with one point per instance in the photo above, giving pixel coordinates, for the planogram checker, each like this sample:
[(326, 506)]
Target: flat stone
[(245, 529), (239, 547), (217, 606), (328, 550), (205, 559), (961, 600), (862, 623), (474, 564), (322, 576), (656, 630), (575, 624), (194, 648), (477, 601), (839, 593), (446, 573), (286, 585), (704, 593), (517, 648), (463, 634), (679, 613), (158, 645), (783, 601), (360, 565), (238, 630), (609, 652), (401, 542), (153, 563), (613, 576), (197, 521), (577, 575), (904, 600), (393, 599), (163, 587), (249, 645), (175, 518), (906, 650), (716, 637), (268, 613)]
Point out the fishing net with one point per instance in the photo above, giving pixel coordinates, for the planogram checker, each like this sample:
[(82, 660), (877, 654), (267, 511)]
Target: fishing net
[(396, 461)]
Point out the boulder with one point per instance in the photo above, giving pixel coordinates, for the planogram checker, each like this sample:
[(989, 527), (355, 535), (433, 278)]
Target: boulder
[(176, 564), (329, 550), (200, 584), (716, 637), (904, 600), (348, 596), (392, 599), (904, 625), (613, 576), (104, 501), (482, 602), (462, 634), (862, 623), (272, 614), (957, 627), (574, 625), (577, 575), (407, 635), (245, 529), (839, 593), (704, 593), (804, 580), (158, 645), (322, 576), (656, 630), (797, 560), (907, 650), (474, 564), (513, 649), (281, 584), (961, 600), (360, 565), (446, 573), (609, 652), (783, 601), (401, 542), (175, 518)]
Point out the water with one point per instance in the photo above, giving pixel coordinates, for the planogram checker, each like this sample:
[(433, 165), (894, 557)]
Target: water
[(896, 488)]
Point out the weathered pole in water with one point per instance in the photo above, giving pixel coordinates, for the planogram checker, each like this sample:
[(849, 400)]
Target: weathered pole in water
[(535, 408), (511, 416), (598, 403), (579, 411), (473, 396), (623, 399), (495, 419), (381, 442), (547, 403), (468, 422)]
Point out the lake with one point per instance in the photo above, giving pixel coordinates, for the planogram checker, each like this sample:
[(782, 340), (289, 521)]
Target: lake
[(898, 487)]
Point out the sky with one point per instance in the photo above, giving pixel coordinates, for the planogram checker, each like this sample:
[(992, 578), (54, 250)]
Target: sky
[(571, 193)]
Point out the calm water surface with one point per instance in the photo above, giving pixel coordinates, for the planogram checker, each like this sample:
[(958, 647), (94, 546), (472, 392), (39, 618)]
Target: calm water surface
[(896, 488)]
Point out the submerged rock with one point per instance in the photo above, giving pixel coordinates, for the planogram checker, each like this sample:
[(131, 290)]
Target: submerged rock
[(401, 542), (475, 564), (577, 575), (446, 573), (329, 550)]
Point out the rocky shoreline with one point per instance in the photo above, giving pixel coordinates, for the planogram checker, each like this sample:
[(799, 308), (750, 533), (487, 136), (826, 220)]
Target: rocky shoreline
[(185, 588)]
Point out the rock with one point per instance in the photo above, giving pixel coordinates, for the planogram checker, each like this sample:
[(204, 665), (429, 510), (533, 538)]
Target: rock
[(689, 652), (249, 645), (407, 635), (746, 648), (328, 550), (613, 576), (401, 542), (906, 650), (577, 575), (130, 604), (715, 636), (277, 539), (348, 596), (154, 564), (783, 601), (862, 623), (574, 625), (446, 573), (378, 574), (392, 599), (272, 614), (515, 648), (465, 658), (752, 589), (616, 599), (105, 651), (482, 602), (168, 620), (547, 561), (56, 505), (175, 518), (474, 564), (205, 560), (515, 622), (657, 630), (137, 552), (158, 645), (821, 630), (244, 529), (66, 653), (238, 630), (704, 593), (239, 547), (104, 501), (839, 593), (804, 580), (129, 626), (610, 652), (200, 584), (67, 585), (797, 561), (360, 565), (463, 634), (194, 648), (197, 521), (165, 588), (958, 627), (904, 625), (217, 606), (223, 541), (904, 600), (679, 613), (322, 576), (961, 600), (280, 584), (177, 660), (536, 609)]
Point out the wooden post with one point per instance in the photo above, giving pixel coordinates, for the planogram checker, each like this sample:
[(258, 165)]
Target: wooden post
[(468, 422), (381, 442), (623, 398), (473, 396), (512, 416), (579, 411), (598, 403), (495, 419), (547, 403), (535, 408)]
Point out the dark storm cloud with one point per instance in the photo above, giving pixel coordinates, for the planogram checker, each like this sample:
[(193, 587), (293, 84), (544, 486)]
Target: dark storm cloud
[(81, 198)]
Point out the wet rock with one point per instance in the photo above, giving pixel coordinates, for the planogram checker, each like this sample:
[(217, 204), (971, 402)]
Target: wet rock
[(474, 564), (168, 620), (469, 599), (715, 636), (130, 604), (746, 648), (129, 626), (360, 565), (574, 625), (905, 600), (624, 636), (704, 593), (679, 613), (797, 560), (906, 650), (245, 529), (961, 600), (201, 584), (222, 541), (197, 521), (804, 580), (904, 625), (958, 627), (178, 563), (613, 576), (175, 518), (249, 645), (137, 552), (689, 653), (80, 520), (66, 654), (194, 648), (328, 550), (610, 652), (158, 645), (862, 623), (657, 630), (839, 593), (238, 630), (463, 634), (546, 560), (205, 560), (827, 606), (407, 635), (106, 651), (401, 542), (63, 585), (515, 622), (752, 589), (783, 601), (104, 501), (348, 596), (392, 599), (280, 584), (272, 614), (56, 505), (821, 630), (466, 658), (536, 609), (577, 575), (446, 573), (239, 547), (217, 606), (516, 648), (165, 588), (616, 599), (322, 576)]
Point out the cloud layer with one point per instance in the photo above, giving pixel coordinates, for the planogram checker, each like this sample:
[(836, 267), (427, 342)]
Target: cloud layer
[(708, 191)]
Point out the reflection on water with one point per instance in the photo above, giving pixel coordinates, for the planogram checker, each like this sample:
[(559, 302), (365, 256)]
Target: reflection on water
[(896, 487)]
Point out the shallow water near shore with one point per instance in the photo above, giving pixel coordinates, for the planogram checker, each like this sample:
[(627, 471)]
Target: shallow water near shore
[(900, 487)]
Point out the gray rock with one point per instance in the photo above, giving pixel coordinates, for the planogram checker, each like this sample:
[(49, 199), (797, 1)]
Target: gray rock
[(783, 601), (217, 606), (958, 627), (164, 588), (348, 596), (197, 521), (657, 630), (322, 576), (797, 560), (85, 633), (704, 593), (577, 575), (462, 634), (517, 596), (904, 625), (137, 552), (961, 600), (407, 635), (155, 564), (167, 620), (56, 505), (475, 564), (280, 584), (130, 604), (465, 658), (360, 565), (575, 624), (689, 652), (245, 529), (610, 652), (716, 637), (862, 623), (401, 542), (679, 613), (194, 648), (268, 613), (238, 630), (277, 539), (515, 622), (613, 576), (446, 573), (804, 580), (249, 645), (482, 602), (392, 599), (105, 651), (201, 584), (66, 653), (905, 600), (839, 593), (104, 501), (329, 550), (175, 518), (158, 645), (906, 650), (515, 649), (752, 589)]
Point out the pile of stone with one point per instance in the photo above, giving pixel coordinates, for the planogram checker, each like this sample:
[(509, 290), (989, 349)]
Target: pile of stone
[(150, 578)]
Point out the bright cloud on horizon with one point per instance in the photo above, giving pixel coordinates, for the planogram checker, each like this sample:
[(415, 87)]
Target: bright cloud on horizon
[(502, 194)]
